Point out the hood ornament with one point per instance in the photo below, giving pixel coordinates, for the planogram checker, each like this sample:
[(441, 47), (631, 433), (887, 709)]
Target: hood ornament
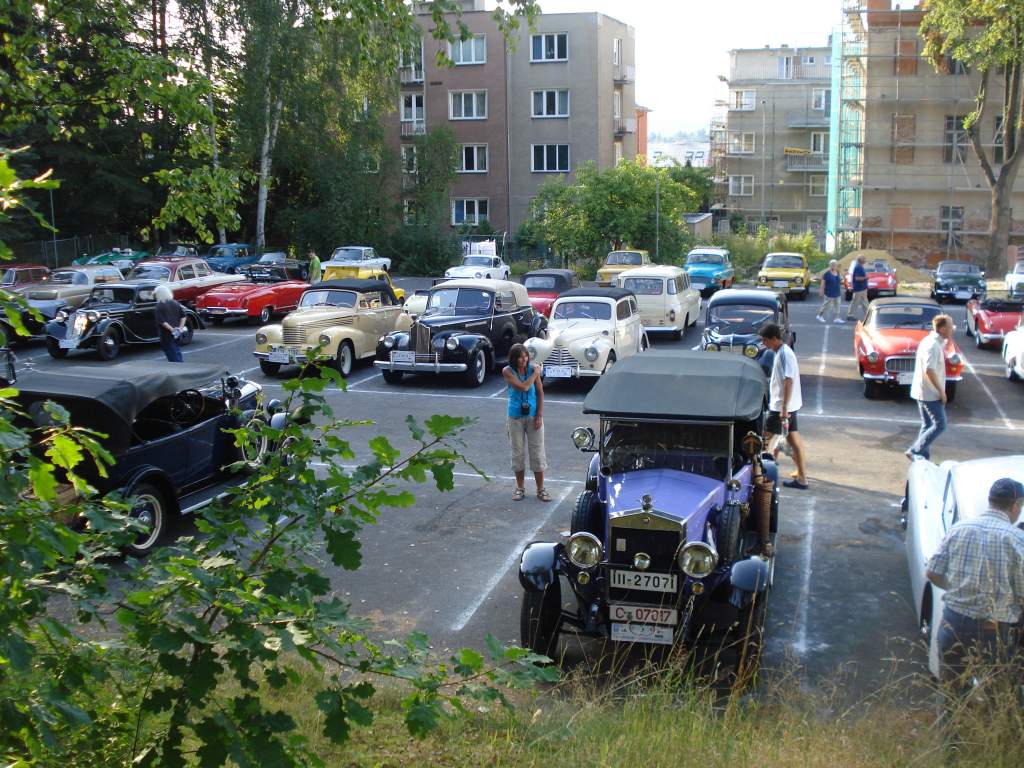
[(647, 502)]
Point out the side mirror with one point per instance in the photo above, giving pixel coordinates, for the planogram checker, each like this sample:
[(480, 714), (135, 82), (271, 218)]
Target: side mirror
[(583, 438)]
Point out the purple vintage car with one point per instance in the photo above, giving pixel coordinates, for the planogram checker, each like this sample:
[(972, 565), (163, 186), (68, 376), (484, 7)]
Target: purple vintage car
[(673, 538)]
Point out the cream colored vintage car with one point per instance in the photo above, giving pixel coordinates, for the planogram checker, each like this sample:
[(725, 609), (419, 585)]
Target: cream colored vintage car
[(344, 318), (72, 285), (667, 302)]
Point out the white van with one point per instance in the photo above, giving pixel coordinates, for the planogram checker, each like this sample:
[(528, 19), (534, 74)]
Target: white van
[(668, 304)]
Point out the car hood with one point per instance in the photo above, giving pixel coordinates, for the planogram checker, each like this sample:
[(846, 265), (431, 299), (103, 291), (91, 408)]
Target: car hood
[(317, 317), (958, 279), (681, 496), (782, 273), (896, 341), (704, 270), (468, 271), (562, 333)]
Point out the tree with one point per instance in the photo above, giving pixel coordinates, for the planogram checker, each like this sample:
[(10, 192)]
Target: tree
[(700, 180), (988, 37)]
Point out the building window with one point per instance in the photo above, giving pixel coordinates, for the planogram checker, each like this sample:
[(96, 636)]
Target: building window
[(819, 142), (412, 57), (827, 61), (371, 162), (821, 99), (742, 101), (952, 221), (904, 129), (998, 154), (469, 210), (408, 211), (472, 51), (616, 51), (550, 158), (954, 144), (955, 66), (467, 105), (409, 164), (741, 186), (412, 107), (807, 61), (617, 104), (549, 47), (617, 153), (817, 186), (473, 158), (905, 62), (551, 103), (785, 67), (740, 143)]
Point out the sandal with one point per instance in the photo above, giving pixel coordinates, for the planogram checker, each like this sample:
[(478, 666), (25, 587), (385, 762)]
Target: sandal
[(519, 494), (543, 494)]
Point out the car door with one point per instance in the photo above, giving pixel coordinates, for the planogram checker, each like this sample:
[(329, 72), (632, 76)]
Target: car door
[(625, 344), (389, 314), (928, 489), (184, 283), (141, 318)]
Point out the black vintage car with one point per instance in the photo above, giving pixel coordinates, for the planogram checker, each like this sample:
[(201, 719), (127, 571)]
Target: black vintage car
[(47, 309), (115, 314), (958, 280), (734, 318), (467, 327), (165, 429)]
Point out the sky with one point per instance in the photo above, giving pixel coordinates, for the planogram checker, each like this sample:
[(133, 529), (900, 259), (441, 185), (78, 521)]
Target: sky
[(682, 46)]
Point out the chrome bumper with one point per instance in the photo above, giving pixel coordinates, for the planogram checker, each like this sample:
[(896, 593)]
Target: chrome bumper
[(656, 328), (221, 311), (435, 367), (295, 359), (891, 378)]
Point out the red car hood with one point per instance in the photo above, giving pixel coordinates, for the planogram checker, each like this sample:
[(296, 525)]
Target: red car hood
[(895, 341), (542, 302), (998, 321)]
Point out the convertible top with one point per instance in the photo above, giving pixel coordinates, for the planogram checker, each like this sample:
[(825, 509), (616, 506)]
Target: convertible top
[(600, 293), (680, 384), (359, 285)]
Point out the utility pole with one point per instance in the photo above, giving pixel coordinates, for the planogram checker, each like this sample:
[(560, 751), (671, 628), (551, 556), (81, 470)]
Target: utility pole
[(764, 155), (657, 214)]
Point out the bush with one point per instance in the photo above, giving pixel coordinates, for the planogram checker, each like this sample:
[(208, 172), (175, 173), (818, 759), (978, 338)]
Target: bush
[(748, 251), (422, 251)]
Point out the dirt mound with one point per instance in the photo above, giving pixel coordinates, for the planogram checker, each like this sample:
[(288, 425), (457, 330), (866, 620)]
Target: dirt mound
[(904, 272)]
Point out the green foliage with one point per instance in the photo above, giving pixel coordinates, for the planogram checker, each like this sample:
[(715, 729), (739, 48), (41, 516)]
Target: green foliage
[(13, 195), (700, 180), (749, 251)]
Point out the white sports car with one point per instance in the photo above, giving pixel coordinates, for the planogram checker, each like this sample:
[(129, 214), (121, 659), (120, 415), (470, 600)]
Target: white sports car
[(937, 496), (1013, 353), (477, 267), (360, 256), (1015, 278)]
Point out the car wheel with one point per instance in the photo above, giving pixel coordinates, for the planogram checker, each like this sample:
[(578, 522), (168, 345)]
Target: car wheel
[(151, 511), (1011, 371), (950, 392), (109, 344), (269, 368), (477, 370), (727, 537), (540, 619), (344, 359), (266, 313), (871, 390), (392, 377), (584, 515), (608, 363), (54, 349)]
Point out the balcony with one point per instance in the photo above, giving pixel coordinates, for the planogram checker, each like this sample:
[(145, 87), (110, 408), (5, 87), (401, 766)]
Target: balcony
[(808, 119), (625, 74), (414, 128), (809, 163), (410, 75), (624, 125)]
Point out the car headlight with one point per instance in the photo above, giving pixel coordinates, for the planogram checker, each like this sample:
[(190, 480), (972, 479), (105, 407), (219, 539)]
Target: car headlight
[(532, 352), (92, 317), (590, 353), (955, 359), (584, 550), (478, 275), (711, 347), (872, 357), (762, 279), (389, 342), (698, 560), (61, 316), (324, 340), (451, 343), (981, 284), (750, 350), (671, 315), (261, 338)]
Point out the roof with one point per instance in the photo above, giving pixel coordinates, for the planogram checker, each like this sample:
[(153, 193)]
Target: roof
[(652, 270), (596, 293), (744, 296), (517, 289), (901, 300), (558, 272), (172, 260), (680, 384), (708, 249), (693, 218)]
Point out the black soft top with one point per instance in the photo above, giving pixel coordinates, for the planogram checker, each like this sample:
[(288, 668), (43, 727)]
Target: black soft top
[(680, 384), (591, 293), (739, 296), (359, 285)]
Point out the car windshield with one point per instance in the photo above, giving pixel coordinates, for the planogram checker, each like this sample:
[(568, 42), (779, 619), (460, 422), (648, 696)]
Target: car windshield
[(221, 250), (625, 257), (349, 254), (328, 298), (881, 266), (477, 261), (582, 310), (957, 268), (272, 258), (704, 258), (174, 250), (1013, 305), (111, 296), (459, 301), (903, 316), (783, 261), (541, 283), (644, 286), (746, 315), (150, 272), (69, 277), (697, 448), (266, 274)]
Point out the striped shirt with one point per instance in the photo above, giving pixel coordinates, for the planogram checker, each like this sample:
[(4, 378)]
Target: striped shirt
[(983, 562)]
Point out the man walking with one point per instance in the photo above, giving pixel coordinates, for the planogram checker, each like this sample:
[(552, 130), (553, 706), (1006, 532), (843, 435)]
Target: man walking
[(785, 401), (859, 286), (929, 386), (170, 323), (831, 290), (315, 270)]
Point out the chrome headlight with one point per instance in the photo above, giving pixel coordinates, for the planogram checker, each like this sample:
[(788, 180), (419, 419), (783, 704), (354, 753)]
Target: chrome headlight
[(955, 358), (762, 279), (583, 438), (750, 350), (92, 317), (261, 338), (872, 357), (451, 343), (698, 559), (584, 550), (532, 351), (478, 275), (324, 340), (389, 342), (711, 347), (590, 353), (671, 315), (61, 316)]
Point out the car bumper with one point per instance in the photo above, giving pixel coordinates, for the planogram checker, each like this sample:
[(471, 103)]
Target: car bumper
[(674, 328), (421, 367), (986, 338), (892, 378), (273, 358), (222, 312), (958, 293)]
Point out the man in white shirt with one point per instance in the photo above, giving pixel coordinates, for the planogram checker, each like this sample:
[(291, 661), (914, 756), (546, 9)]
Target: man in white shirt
[(929, 386), (784, 400)]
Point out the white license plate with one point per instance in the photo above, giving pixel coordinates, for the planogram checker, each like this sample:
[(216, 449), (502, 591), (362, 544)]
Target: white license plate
[(644, 614), (68, 344), (649, 582), (963, 294), (559, 371), (698, 286), (217, 310), (642, 633), (905, 378), (403, 357), (781, 283), (279, 356)]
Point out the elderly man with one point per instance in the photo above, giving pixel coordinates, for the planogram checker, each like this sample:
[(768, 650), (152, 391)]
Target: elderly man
[(859, 287), (831, 290), (929, 386)]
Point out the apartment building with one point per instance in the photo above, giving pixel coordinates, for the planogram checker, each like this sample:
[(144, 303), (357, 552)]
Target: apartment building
[(524, 114), (771, 149)]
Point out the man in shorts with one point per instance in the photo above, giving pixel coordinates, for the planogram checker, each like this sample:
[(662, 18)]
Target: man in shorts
[(784, 401)]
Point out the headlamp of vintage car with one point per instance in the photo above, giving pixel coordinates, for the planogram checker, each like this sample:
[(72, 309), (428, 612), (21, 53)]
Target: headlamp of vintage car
[(324, 340), (762, 279), (698, 559), (92, 317), (478, 275), (583, 438), (872, 357), (388, 342), (532, 352), (80, 323), (451, 343), (711, 347), (751, 350), (584, 550), (590, 353), (261, 338), (61, 316)]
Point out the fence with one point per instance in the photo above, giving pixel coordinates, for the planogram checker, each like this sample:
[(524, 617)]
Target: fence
[(62, 251)]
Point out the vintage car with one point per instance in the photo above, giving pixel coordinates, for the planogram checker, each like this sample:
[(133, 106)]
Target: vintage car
[(1015, 280), (546, 285), (164, 427), (936, 498), (479, 266), (360, 255), (990, 319), (735, 317), (619, 261), (230, 257), (590, 330), (673, 539), (268, 290), (885, 344), (882, 280), (343, 318), (177, 250), (357, 272), (958, 280), (786, 273), (122, 258), (114, 315), (16, 277), (72, 285), (710, 269), (468, 327), (35, 326), (189, 278), (1013, 353), (667, 302)]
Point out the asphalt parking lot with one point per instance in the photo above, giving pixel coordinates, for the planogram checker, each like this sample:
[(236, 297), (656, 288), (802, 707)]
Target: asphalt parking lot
[(840, 601)]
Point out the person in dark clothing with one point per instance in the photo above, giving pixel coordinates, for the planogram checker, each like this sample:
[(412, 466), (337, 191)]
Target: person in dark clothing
[(170, 323), (859, 289)]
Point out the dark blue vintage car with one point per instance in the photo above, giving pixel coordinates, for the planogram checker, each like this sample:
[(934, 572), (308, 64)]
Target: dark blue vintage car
[(230, 257), (673, 538), (734, 317)]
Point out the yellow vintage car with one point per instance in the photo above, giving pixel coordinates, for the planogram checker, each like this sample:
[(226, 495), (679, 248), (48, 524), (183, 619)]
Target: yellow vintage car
[(355, 272), (785, 273), (620, 261)]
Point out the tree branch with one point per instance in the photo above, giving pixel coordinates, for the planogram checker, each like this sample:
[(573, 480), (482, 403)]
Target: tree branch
[(974, 134)]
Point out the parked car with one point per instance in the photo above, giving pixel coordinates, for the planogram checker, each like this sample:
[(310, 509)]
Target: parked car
[(468, 327), (885, 344), (164, 427), (358, 272), (172, 250), (35, 327), (1013, 353), (72, 285), (591, 329), (546, 285), (230, 257), (188, 278), (734, 319), (619, 261), (267, 290), (786, 273), (476, 266), (114, 315), (990, 319), (344, 318), (959, 280), (937, 497), (122, 258), (882, 279), (15, 277), (710, 269), (361, 255), (667, 541), (1015, 280), (667, 302)]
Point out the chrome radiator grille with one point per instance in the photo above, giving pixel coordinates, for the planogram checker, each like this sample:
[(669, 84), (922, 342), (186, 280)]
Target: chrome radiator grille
[(900, 364), (421, 338), (293, 336), (560, 356)]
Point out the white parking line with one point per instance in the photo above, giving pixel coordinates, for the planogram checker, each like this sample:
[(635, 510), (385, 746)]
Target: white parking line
[(487, 475), (370, 374), (421, 393), (999, 409), (821, 370), (500, 391), (800, 633)]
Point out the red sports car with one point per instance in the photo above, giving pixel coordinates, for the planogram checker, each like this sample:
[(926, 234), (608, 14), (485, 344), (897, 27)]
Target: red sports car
[(268, 289), (885, 344), (546, 285), (990, 319), (188, 277), (882, 280)]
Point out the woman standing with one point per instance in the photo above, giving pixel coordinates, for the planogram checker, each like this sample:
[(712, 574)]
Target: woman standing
[(525, 425), (170, 323)]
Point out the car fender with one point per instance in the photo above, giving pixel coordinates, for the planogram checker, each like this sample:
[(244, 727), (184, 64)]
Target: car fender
[(539, 348), (603, 344), (105, 323), (925, 487), (748, 577), (473, 342), (272, 332), (592, 472), (195, 319), (55, 330), (157, 477), (340, 333), (538, 566)]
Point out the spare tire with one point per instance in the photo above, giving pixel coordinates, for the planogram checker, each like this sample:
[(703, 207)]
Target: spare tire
[(727, 535)]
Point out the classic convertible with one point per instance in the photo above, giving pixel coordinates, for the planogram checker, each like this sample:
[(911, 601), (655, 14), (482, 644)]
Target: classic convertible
[(1013, 353), (990, 319), (480, 266), (268, 289), (734, 318), (958, 280), (673, 539), (546, 285)]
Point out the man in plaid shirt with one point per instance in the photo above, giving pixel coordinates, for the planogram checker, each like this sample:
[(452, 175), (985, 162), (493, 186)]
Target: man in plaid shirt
[(980, 564)]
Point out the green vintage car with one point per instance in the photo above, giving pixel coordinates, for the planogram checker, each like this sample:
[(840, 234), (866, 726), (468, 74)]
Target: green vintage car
[(122, 258)]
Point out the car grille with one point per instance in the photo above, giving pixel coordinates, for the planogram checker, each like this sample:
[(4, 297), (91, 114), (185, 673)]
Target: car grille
[(900, 364), (661, 546), (560, 356), (421, 339), (293, 336)]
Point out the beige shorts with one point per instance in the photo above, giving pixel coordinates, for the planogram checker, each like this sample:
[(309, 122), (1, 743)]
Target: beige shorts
[(523, 436)]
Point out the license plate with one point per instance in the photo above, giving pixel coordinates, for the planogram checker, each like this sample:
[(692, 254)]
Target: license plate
[(403, 357), (559, 371), (698, 286), (279, 356), (216, 310), (649, 582), (644, 614), (963, 294), (781, 283), (642, 633), (68, 344), (905, 378)]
